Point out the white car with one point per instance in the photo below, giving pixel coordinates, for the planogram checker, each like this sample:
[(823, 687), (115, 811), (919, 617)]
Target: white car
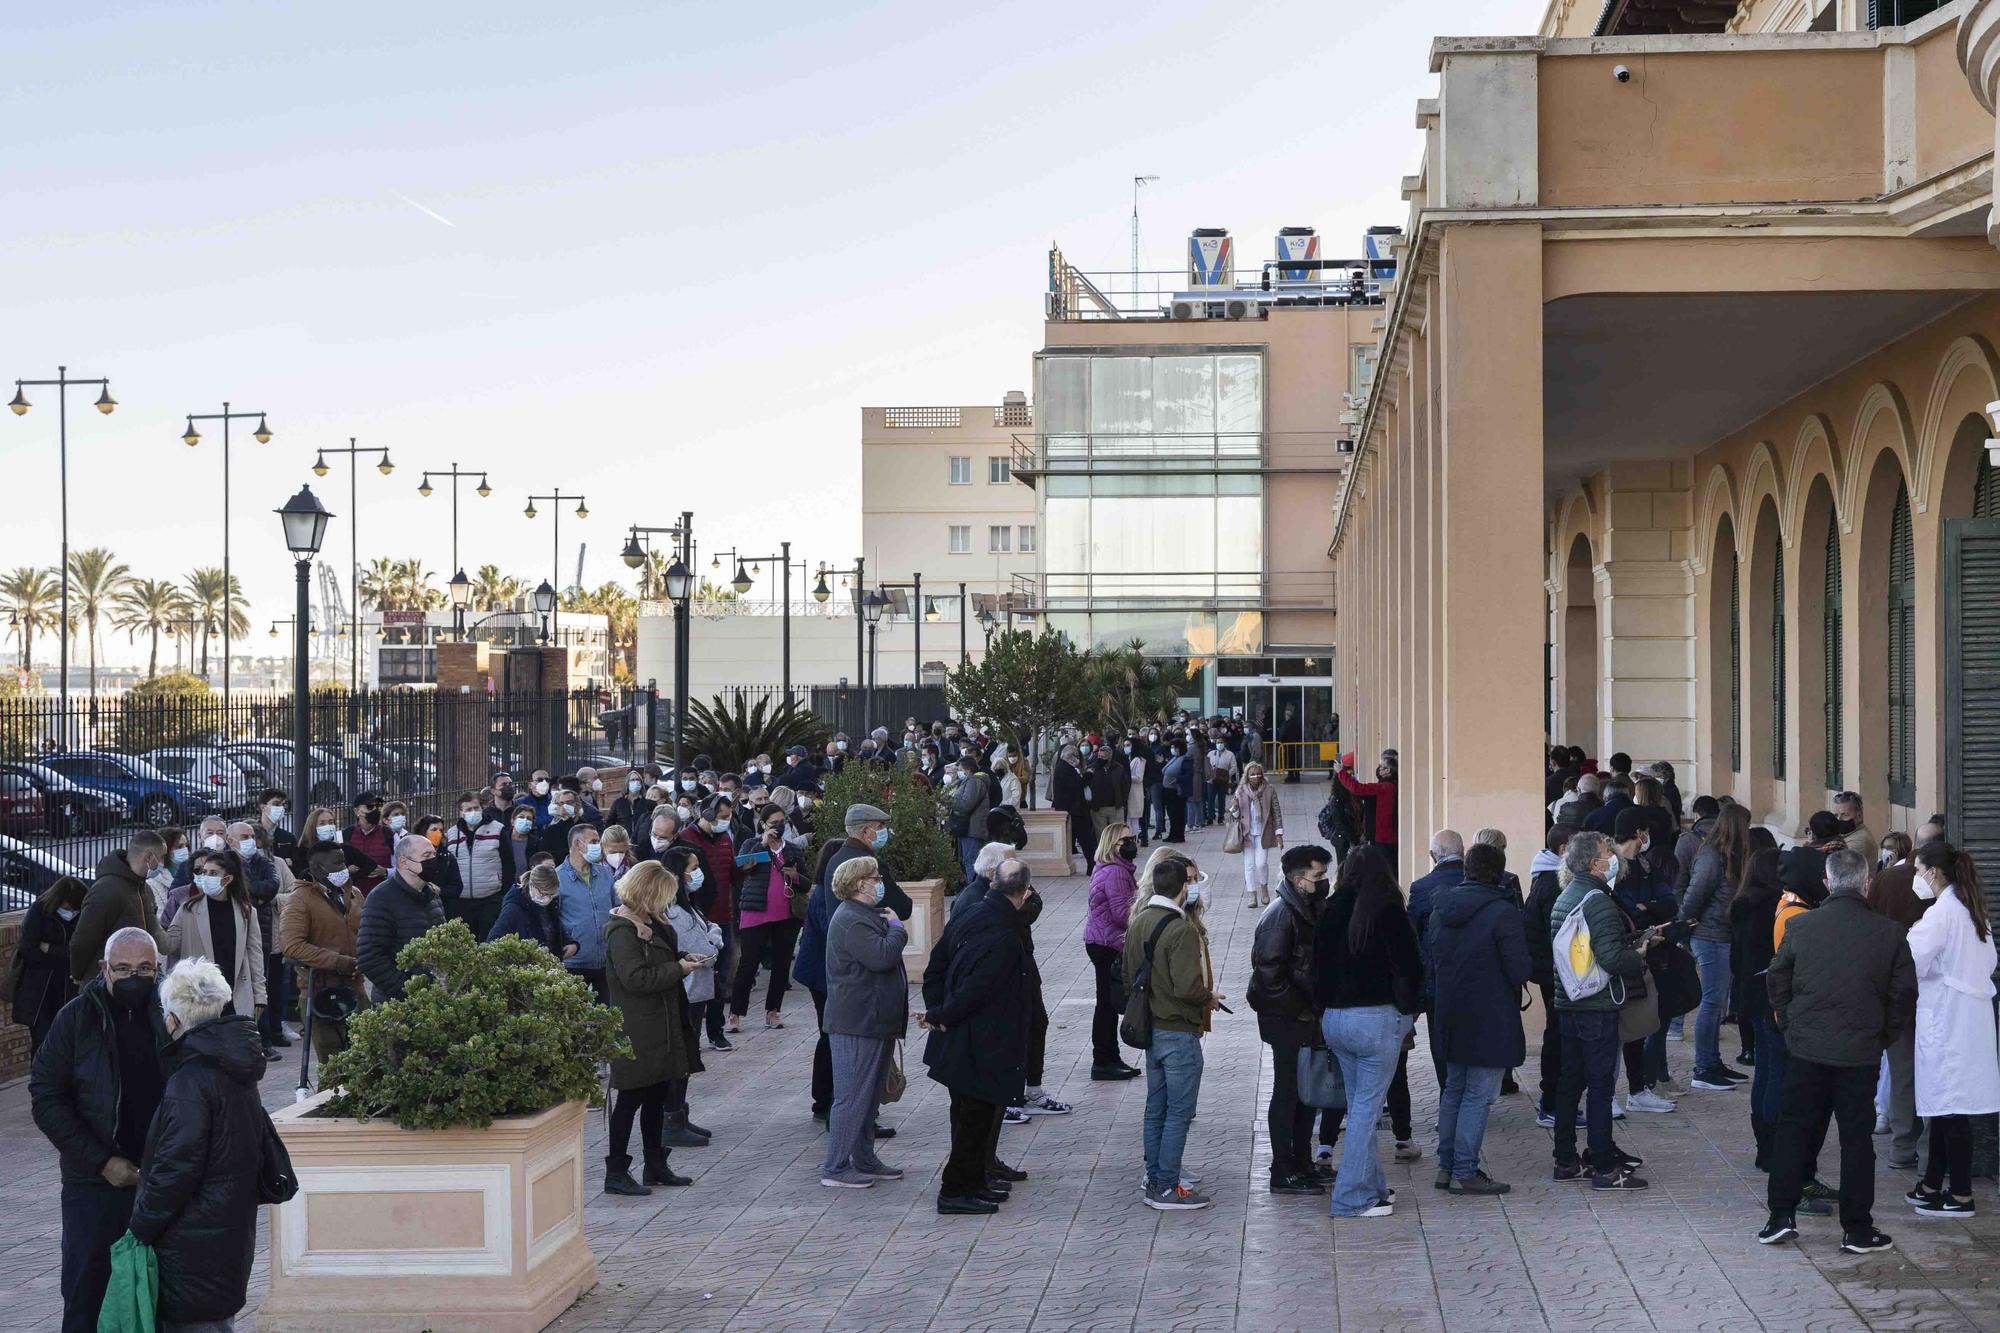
[(208, 767)]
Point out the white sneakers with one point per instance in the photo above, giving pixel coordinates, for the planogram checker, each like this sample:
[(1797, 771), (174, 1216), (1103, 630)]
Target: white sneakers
[(1649, 1101)]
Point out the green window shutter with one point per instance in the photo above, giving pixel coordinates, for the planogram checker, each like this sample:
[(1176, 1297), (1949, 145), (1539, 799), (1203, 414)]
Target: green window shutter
[(1902, 654), (1778, 660), (1735, 665), (1972, 686), (1831, 624), (1986, 493)]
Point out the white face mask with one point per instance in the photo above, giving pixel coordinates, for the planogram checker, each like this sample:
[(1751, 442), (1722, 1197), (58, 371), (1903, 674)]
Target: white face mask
[(338, 878), (597, 784), (686, 812), (542, 788), (215, 842)]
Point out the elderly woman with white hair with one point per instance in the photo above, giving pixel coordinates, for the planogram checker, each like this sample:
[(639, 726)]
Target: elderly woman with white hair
[(197, 1202), (867, 999)]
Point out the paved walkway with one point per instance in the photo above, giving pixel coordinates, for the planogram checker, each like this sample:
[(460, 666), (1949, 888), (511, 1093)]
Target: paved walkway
[(758, 1244)]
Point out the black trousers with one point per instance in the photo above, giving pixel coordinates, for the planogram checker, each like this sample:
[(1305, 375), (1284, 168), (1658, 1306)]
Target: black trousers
[(975, 1126), (822, 1077), (725, 963), (94, 1214), (650, 1105), (770, 944), (1176, 815), (1811, 1094), (1038, 1036), (1552, 1047), (1079, 832), (1109, 967), (1950, 1155), (1290, 1120), (478, 914)]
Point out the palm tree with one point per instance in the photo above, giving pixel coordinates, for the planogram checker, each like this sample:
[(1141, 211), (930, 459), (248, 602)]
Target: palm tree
[(378, 585), (150, 606), (653, 577), (33, 595), (95, 577), (492, 590), (621, 612), (414, 582), (206, 600)]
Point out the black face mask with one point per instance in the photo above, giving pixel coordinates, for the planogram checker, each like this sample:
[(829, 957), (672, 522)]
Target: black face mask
[(132, 993), (1846, 826), (1129, 849)]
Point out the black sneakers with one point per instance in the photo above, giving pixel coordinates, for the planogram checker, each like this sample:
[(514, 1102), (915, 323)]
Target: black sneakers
[(1942, 1204), (1866, 1242), (1777, 1229), (1619, 1179)]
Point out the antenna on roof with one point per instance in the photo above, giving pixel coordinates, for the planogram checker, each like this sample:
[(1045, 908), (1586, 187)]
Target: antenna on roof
[(1137, 181)]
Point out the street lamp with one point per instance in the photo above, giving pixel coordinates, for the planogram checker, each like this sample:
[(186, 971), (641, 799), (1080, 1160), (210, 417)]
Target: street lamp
[(917, 616), (555, 564), (545, 603), (304, 520), (385, 467), (105, 403), (424, 489), (460, 588), (987, 622), (859, 576), (742, 583), (191, 439), (680, 586), (872, 607)]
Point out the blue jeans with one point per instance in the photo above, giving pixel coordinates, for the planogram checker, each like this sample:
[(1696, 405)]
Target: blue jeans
[(968, 851), (1156, 810), (1589, 1071), (1767, 1076), (1468, 1094), (1365, 1041), (1173, 1085), (1712, 958)]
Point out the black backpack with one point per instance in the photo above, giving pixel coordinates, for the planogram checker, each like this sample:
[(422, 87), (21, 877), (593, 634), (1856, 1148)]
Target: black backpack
[(1004, 824), (1135, 1029)]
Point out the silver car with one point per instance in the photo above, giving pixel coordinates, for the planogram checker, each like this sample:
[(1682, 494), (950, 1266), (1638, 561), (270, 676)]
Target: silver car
[(207, 766)]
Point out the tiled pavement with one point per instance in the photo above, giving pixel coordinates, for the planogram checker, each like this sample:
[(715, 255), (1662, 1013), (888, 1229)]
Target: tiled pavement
[(758, 1244)]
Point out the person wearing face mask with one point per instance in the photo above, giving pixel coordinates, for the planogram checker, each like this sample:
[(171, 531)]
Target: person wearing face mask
[(220, 924), (1163, 940), (94, 1088), (212, 836), (505, 793), (532, 911), (1221, 779), (274, 818), (1262, 818), (321, 828), (41, 980), (120, 896), (589, 787), (867, 828), (404, 907), (1113, 886), (1378, 796), (713, 838), (971, 802), (766, 929), (866, 1012), (197, 1205), (799, 772), (1898, 893), (1853, 829), (261, 878), (586, 893), (482, 856), (1958, 1076), (701, 940), (634, 809), (161, 881), (317, 932), (396, 818), (836, 754), (539, 791), (369, 834), (565, 813), (1280, 991)]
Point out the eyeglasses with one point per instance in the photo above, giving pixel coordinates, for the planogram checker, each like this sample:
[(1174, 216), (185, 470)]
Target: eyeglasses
[(120, 971)]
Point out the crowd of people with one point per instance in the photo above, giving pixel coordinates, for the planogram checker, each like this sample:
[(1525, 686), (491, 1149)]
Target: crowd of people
[(1858, 975)]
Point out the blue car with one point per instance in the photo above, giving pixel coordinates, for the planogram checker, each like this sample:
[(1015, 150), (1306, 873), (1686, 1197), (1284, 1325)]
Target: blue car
[(155, 799)]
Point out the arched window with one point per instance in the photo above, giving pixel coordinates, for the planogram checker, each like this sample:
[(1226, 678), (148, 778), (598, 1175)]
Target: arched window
[(1902, 654), (1830, 649), (1986, 493), (1735, 665), (1778, 658)]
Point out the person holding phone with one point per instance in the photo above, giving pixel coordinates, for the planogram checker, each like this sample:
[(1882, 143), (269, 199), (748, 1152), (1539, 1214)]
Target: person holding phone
[(772, 871)]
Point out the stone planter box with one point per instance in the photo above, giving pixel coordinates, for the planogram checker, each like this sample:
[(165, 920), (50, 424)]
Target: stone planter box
[(397, 1231), (926, 923), (1047, 852)]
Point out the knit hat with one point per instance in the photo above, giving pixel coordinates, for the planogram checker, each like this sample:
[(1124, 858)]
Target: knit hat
[(857, 815), (1631, 822)]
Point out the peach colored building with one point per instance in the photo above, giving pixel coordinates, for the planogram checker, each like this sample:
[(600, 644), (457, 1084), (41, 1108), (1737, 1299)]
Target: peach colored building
[(1187, 447), (1679, 441)]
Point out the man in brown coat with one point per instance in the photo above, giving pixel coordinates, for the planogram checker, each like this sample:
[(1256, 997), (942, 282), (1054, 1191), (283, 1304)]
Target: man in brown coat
[(317, 933)]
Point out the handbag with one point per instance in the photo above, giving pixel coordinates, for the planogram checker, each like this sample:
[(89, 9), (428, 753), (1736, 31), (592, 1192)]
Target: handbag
[(1639, 1014), (1677, 980), (276, 1181), (894, 1081), (1135, 1027), (800, 895), (1320, 1084), (1232, 837)]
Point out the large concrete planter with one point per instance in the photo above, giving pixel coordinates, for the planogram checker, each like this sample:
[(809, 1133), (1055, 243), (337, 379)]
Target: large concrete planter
[(397, 1231), (926, 923), (1047, 852)]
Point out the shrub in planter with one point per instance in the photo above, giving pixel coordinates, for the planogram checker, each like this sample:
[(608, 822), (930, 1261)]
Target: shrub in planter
[(919, 847), (486, 1030)]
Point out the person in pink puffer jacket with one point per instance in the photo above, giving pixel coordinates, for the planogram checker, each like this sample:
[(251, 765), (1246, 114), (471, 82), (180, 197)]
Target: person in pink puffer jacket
[(1113, 885)]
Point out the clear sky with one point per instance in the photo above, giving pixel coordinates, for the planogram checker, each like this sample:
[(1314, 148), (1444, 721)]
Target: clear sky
[(657, 253)]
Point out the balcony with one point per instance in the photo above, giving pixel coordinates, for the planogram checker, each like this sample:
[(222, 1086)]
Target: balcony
[(1165, 294), (1261, 453), (982, 418)]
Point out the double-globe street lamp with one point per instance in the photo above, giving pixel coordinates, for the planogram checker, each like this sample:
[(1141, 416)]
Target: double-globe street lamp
[(460, 586), (62, 384), (304, 520), (385, 467), (555, 565), (742, 583), (191, 437), (679, 581), (873, 605), (821, 592)]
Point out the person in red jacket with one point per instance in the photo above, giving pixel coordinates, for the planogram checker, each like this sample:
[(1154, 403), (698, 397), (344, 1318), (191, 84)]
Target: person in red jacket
[(1382, 792)]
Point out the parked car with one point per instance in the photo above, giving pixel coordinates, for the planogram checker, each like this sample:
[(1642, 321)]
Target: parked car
[(22, 809), (26, 872), (156, 798), (68, 809), (206, 765)]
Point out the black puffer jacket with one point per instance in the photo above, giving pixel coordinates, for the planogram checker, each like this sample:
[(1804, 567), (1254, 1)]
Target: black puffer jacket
[(197, 1203), (1281, 970), (982, 1050), (393, 915), (74, 1087)]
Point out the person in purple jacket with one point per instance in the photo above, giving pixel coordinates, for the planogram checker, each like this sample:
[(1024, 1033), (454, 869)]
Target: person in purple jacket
[(1113, 884)]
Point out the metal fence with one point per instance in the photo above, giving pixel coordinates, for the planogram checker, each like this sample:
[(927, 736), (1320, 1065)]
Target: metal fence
[(76, 780)]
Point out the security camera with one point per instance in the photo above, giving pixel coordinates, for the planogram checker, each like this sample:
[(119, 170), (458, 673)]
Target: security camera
[(1622, 73)]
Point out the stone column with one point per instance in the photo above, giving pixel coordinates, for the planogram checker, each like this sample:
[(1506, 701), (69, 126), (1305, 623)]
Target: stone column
[(1645, 596), (1979, 57)]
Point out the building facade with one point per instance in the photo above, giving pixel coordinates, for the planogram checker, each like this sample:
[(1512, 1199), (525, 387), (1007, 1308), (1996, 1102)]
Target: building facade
[(1684, 394)]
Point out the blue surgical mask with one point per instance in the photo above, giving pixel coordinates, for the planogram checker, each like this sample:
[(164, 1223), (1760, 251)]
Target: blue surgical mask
[(246, 846), (399, 822), (471, 818), (66, 913), (593, 853), (325, 833), (209, 884), (695, 877), (881, 892), (523, 824), (180, 856), (881, 839)]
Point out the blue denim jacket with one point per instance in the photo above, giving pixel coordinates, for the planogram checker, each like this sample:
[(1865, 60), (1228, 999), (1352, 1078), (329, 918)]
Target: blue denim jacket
[(586, 905)]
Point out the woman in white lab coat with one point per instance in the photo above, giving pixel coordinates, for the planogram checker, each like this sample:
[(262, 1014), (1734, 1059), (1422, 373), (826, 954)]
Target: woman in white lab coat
[(1958, 1069)]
